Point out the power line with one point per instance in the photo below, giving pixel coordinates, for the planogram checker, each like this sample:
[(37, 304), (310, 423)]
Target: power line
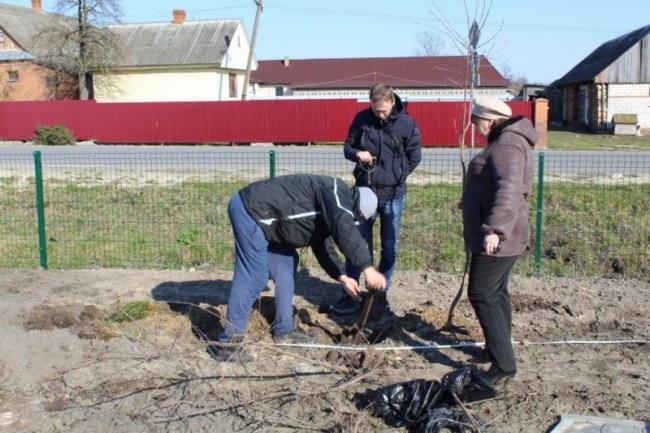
[(190, 12), (274, 7), (418, 19)]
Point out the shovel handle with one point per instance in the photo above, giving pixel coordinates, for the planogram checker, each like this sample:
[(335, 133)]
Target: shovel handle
[(365, 312)]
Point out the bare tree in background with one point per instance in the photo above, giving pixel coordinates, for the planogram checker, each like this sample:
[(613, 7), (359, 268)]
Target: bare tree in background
[(429, 44), (83, 45), (516, 82)]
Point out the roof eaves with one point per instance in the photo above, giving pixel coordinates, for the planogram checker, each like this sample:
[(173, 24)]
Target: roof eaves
[(589, 68), (15, 55)]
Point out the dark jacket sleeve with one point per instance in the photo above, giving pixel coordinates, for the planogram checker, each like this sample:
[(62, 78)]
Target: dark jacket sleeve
[(352, 144), (335, 203), (413, 148), (328, 258)]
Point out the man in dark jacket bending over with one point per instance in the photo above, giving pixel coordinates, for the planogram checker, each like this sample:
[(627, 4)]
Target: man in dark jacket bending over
[(270, 219)]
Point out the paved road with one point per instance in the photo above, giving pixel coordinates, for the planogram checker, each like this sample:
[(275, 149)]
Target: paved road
[(306, 158)]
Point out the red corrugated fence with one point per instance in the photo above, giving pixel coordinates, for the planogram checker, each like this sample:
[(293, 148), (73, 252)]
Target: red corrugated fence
[(278, 121)]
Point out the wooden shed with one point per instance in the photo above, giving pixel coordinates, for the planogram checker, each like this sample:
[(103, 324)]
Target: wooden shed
[(613, 79)]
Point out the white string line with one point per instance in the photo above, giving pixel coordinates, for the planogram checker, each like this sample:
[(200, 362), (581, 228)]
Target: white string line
[(453, 346)]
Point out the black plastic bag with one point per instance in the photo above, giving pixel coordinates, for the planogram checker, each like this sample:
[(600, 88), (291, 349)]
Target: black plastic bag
[(405, 404), (451, 419), (428, 405), (468, 384)]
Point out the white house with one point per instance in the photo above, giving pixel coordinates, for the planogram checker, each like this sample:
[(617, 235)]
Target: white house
[(176, 61)]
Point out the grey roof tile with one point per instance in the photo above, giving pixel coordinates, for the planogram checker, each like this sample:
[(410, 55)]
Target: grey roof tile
[(24, 24), (167, 44)]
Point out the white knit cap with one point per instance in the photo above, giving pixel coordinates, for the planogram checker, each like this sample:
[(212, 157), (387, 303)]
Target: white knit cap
[(490, 108), (367, 202)]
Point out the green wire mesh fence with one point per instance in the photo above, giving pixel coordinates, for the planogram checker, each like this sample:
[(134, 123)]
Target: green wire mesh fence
[(153, 209)]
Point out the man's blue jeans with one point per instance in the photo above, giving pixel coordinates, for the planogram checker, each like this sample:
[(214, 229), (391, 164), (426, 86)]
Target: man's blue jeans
[(389, 213), (283, 263), (255, 261)]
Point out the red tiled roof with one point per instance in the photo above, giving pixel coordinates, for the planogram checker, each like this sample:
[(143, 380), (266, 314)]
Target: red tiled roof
[(399, 72)]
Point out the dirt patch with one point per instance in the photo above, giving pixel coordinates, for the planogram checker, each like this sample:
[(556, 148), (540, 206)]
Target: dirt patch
[(86, 321), (67, 367)]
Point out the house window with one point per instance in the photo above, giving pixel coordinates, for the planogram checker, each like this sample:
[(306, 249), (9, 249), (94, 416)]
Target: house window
[(2, 36), (52, 81), (279, 91), (12, 76), (233, 85)]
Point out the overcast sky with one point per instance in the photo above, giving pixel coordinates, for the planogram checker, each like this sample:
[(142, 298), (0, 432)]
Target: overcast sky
[(540, 40)]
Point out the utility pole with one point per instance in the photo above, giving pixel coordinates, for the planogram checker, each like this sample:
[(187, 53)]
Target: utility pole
[(474, 34), (82, 72), (251, 51)]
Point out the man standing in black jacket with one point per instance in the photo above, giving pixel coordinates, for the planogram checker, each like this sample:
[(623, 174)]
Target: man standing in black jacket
[(270, 219), (384, 143)]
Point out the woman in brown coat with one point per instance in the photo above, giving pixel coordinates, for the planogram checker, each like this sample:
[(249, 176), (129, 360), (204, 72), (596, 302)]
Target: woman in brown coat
[(495, 223)]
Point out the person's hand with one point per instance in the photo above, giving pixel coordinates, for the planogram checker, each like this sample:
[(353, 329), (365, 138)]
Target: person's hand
[(491, 243), (351, 287), (365, 157), (374, 279)]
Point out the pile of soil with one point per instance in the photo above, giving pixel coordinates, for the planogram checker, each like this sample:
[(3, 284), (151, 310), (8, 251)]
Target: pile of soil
[(67, 365)]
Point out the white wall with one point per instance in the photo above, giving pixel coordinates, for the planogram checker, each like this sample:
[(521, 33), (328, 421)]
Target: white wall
[(173, 84), (629, 99), (166, 85), (237, 55)]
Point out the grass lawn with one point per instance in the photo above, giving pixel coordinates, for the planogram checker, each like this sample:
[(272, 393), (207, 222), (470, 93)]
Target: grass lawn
[(578, 140)]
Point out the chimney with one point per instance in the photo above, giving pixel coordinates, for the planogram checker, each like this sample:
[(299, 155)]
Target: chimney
[(285, 62), (36, 5), (179, 16)]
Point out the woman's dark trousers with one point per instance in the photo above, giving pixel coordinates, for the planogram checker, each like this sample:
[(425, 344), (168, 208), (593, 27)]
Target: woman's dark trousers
[(488, 293)]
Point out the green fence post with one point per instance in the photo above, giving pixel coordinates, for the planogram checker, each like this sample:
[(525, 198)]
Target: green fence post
[(40, 209), (540, 210), (272, 162)]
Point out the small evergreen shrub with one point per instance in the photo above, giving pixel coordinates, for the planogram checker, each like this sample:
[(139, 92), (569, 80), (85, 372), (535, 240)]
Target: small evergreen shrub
[(57, 135)]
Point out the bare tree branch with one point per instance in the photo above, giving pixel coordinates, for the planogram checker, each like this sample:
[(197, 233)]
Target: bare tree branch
[(430, 44), (81, 46)]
